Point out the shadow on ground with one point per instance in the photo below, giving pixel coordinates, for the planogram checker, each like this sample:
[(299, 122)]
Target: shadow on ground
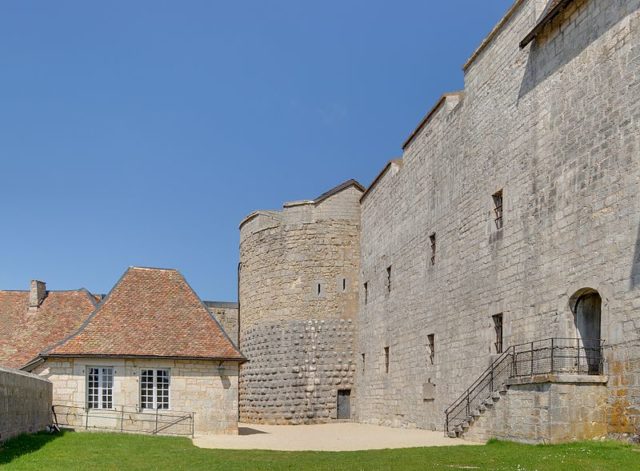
[(24, 444), (246, 431)]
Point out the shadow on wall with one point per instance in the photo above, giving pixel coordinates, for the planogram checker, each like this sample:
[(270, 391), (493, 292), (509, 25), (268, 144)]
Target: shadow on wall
[(544, 59), (24, 444), (634, 279)]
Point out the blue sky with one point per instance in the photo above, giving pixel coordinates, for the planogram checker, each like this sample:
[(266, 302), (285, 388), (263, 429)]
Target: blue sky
[(142, 132)]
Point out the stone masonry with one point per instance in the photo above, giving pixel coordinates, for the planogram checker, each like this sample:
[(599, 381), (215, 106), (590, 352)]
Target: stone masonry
[(25, 403), (298, 304), (226, 314), (209, 389), (553, 129)]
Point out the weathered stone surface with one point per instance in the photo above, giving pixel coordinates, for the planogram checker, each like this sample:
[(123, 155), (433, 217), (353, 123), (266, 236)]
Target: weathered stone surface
[(298, 303), (25, 403), (207, 388), (556, 127)]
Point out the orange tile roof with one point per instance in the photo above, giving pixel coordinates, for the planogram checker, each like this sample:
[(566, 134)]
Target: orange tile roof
[(25, 333), (150, 313)]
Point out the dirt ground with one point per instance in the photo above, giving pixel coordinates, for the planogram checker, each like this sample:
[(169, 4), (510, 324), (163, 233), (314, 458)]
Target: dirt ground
[(325, 437)]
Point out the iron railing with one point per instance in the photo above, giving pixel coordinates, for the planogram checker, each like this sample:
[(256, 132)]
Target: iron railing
[(124, 419), (548, 356)]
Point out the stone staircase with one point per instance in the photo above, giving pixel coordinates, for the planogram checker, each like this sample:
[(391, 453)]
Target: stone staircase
[(460, 430)]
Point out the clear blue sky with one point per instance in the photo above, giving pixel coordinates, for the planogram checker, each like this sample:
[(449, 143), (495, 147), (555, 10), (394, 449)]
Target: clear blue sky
[(142, 132)]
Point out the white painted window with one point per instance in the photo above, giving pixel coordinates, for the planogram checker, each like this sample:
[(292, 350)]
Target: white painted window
[(100, 387), (154, 389)]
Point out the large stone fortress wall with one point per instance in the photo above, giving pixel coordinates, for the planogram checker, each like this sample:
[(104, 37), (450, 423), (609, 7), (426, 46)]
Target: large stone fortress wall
[(298, 304), (554, 125)]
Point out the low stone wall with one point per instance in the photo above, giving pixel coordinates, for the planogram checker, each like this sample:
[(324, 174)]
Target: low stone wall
[(295, 371), (25, 403), (546, 409)]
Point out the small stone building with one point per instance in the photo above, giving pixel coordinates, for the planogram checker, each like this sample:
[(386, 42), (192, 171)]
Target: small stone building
[(149, 347)]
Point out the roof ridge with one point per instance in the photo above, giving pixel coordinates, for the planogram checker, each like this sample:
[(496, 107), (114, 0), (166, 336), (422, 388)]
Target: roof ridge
[(84, 324), (337, 189)]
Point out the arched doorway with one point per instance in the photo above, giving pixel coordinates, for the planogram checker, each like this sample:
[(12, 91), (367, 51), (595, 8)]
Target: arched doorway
[(587, 305)]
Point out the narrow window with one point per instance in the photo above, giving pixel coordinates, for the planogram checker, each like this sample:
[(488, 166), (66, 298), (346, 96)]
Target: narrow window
[(432, 239), (344, 285), (154, 389), (389, 279), (497, 208), (100, 387), (319, 289), (497, 325), (363, 362), (386, 359), (431, 339), (366, 292)]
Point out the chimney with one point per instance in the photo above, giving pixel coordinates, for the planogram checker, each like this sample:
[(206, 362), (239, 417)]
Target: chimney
[(37, 293)]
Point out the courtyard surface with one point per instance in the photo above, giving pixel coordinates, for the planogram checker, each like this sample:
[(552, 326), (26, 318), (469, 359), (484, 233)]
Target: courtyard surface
[(344, 436), (113, 451)]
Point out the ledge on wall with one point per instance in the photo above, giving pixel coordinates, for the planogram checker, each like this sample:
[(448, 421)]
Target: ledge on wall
[(559, 378)]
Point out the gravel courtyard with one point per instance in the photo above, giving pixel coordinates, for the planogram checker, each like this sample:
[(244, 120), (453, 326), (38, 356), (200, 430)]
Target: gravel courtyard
[(344, 436)]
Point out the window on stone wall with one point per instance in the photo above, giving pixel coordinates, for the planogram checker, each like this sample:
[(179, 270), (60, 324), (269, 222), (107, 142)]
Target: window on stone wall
[(432, 240), (100, 387), (319, 289), (497, 208), (366, 292), (344, 285), (386, 359), (497, 326), (431, 347), (363, 362), (154, 389), (389, 279)]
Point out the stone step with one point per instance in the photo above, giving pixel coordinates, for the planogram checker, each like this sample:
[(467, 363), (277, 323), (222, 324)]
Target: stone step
[(452, 434), (481, 408), (476, 414), (488, 403), (496, 395)]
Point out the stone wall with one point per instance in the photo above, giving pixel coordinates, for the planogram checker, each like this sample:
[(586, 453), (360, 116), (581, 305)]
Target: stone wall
[(202, 387), (553, 409), (296, 370), (299, 277), (227, 315), (556, 127), (25, 403)]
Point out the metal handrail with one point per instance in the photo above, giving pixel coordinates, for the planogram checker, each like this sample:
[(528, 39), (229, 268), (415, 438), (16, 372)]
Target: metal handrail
[(587, 358), (160, 419)]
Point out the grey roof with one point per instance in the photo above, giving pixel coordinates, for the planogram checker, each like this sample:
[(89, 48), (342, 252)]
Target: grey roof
[(338, 189), (221, 304)]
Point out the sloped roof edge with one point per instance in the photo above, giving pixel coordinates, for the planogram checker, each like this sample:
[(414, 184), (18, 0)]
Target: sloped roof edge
[(429, 115), (492, 34), (337, 189), (399, 162)]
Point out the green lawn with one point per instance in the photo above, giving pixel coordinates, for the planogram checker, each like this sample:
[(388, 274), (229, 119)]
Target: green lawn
[(115, 451)]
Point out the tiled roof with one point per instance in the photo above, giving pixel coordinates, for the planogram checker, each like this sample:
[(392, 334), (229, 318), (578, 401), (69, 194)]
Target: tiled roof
[(25, 333), (150, 312)]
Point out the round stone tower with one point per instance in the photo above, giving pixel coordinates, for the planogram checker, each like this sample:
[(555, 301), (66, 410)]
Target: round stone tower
[(298, 294)]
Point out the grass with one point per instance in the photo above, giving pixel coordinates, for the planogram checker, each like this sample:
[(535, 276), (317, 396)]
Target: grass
[(71, 451)]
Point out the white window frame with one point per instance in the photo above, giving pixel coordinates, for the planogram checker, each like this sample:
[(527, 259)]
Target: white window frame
[(102, 386), (154, 389)]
